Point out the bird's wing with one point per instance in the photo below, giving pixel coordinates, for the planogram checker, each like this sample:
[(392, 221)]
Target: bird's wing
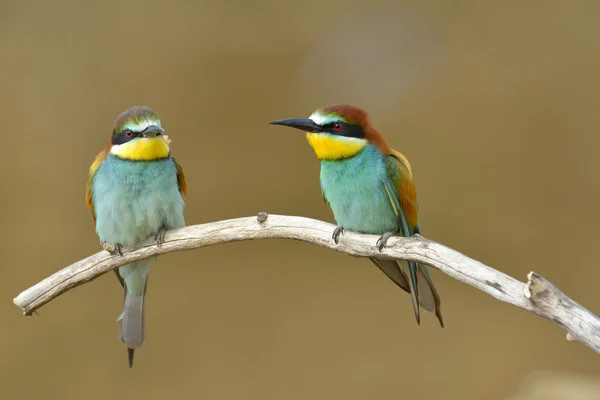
[(100, 158), (181, 179), (403, 195)]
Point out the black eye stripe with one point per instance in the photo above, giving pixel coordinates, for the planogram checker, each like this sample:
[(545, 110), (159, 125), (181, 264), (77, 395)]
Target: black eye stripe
[(348, 130), (121, 137)]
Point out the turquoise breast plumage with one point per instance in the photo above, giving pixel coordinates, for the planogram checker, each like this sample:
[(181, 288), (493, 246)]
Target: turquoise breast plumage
[(133, 200), (355, 190)]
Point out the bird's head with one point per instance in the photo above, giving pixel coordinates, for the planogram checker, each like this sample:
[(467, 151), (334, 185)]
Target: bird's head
[(138, 136), (335, 132)]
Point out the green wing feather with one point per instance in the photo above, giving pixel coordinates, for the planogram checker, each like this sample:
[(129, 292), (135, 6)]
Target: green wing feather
[(402, 194)]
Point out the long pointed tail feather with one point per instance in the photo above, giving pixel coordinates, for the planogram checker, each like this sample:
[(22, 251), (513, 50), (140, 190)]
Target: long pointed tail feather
[(414, 288), (130, 356), (429, 298), (132, 331), (425, 296), (132, 323)]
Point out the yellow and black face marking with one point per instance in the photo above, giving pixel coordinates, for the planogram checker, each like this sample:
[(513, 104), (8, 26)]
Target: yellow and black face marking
[(138, 136), (330, 136)]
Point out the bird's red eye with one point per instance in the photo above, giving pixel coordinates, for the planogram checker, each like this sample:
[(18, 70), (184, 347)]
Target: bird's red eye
[(128, 133), (338, 126)]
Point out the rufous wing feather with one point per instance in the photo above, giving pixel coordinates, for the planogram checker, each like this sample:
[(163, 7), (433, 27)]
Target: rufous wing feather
[(100, 158), (400, 173), (181, 179)]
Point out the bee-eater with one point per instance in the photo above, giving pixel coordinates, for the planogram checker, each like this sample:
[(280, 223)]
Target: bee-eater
[(135, 190), (369, 187)]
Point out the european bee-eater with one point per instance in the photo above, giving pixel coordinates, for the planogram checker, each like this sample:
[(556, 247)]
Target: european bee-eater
[(369, 187), (135, 190)]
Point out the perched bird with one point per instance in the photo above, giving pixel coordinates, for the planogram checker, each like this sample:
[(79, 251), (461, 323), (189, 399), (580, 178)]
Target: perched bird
[(135, 190), (369, 187)]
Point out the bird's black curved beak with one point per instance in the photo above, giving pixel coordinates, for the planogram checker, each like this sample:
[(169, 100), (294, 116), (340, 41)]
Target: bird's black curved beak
[(304, 124), (152, 131)]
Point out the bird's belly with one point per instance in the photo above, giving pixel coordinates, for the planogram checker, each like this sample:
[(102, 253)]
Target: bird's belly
[(133, 203), (358, 200)]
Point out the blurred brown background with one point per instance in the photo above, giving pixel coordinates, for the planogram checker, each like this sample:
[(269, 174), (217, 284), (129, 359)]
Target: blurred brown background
[(496, 106)]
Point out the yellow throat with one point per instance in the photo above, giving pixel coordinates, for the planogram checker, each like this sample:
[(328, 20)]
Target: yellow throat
[(330, 147), (142, 149)]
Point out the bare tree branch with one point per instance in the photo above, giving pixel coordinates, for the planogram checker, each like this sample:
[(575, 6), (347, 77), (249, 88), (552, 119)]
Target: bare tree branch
[(537, 296)]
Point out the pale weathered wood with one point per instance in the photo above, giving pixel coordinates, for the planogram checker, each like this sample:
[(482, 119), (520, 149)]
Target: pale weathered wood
[(537, 296)]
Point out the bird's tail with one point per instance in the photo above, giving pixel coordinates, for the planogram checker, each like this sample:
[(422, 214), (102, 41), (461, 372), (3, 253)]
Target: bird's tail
[(414, 279), (135, 280)]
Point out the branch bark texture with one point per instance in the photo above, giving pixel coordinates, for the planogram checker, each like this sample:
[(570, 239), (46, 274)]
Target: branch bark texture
[(537, 296)]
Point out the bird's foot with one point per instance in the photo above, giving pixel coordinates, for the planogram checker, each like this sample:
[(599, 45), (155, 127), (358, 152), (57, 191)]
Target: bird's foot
[(113, 248), (336, 234), (382, 241), (160, 237)]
